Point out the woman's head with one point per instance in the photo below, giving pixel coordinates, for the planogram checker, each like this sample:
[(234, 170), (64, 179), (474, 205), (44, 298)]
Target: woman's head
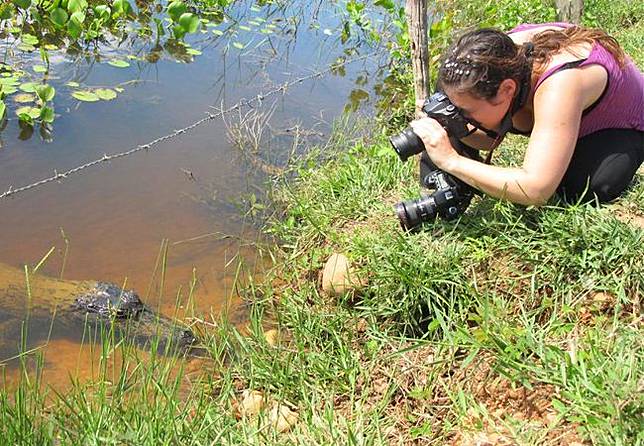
[(482, 72), (479, 61)]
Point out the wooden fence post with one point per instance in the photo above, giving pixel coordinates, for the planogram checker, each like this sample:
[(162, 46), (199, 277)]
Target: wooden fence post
[(416, 12), (570, 10)]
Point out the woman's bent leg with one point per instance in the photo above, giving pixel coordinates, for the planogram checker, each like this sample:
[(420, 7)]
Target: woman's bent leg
[(603, 165)]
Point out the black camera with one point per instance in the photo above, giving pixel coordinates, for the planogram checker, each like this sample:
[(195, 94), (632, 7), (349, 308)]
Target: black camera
[(438, 107), (451, 196)]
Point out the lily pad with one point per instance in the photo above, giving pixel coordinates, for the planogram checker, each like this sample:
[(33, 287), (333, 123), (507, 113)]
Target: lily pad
[(28, 87), (40, 69), (119, 63), (85, 96), (23, 98), (105, 94), (73, 84), (32, 112)]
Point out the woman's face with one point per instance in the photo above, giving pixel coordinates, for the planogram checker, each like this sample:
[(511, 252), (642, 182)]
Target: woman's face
[(487, 112)]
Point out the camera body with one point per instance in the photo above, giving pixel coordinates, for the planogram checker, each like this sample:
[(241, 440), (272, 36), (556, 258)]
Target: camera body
[(451, 196), (438, 107)]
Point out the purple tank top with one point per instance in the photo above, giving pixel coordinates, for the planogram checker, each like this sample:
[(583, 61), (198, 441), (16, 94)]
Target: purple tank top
[(622, 103)]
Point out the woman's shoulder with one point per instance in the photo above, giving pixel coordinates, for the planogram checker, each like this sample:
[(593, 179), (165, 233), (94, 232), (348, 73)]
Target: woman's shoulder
[(524, 32)]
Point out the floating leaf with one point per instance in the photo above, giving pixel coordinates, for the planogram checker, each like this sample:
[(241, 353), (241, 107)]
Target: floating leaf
[(238, 45), (50, 47), (85, 96), (217, 32), (8, 89), (244, 28), (40, 69), (193, 52), (24, 98), (29, 39), (119, 63), (3, 109), (9, 81), (266, 31), (119, 89), (105, 94), (26, 47), (73, 84), (28, 87), (32, 112)]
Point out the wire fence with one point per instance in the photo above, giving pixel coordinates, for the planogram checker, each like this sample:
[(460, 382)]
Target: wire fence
[(59, 176)]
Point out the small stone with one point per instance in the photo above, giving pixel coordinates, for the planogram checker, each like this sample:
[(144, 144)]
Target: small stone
[(282, 418), (252, 403), (338, 277), (271, 336)]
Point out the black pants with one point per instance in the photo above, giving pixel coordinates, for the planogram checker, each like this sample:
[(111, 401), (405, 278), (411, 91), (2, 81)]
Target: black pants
[(602, 165)]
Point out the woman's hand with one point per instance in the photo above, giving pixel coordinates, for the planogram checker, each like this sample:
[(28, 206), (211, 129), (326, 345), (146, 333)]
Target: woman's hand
[(436, 141)]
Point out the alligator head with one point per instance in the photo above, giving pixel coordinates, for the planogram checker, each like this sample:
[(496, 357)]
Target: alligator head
[(124, 310)]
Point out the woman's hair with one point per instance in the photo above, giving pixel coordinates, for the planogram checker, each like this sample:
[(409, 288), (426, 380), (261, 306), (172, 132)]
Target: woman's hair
[(479, 60)]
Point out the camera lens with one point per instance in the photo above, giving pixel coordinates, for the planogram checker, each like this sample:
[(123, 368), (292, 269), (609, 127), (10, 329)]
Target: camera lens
[(407, 144), (412, 213)]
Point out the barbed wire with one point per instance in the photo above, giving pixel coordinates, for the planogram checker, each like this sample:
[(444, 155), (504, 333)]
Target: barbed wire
[(59, 176)]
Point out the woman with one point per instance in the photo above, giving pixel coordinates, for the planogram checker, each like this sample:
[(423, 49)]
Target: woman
[(571, 89)]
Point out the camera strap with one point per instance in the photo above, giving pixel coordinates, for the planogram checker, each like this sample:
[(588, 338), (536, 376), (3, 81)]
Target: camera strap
[(518, 102)]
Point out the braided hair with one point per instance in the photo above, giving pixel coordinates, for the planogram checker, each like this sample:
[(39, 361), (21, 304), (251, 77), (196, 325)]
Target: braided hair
[(480, 60)]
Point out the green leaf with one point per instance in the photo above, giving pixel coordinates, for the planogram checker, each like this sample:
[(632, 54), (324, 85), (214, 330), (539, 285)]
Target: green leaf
[(193, 52), (32, 112), (73, 84), (28, 87), (40, 69), (217, 32), (189, 22), (3, 109), (47, 114), (238, 45), (85, 96), (176, 9), (75, 25), (76, 5), (244, 28), (121, 7), (59, 17), (102, 12), (22, 4), (45, 92), (119, 63), (105, 94), (29, 39), (23, 98)]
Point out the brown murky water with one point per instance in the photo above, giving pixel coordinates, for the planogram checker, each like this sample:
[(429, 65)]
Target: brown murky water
[(116, 217)]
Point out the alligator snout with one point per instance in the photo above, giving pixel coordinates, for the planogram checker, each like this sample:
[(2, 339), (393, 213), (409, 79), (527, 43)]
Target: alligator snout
[(109, 301), (134, 319)]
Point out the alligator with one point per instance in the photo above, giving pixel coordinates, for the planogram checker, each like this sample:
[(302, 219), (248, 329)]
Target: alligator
[(36, 299)]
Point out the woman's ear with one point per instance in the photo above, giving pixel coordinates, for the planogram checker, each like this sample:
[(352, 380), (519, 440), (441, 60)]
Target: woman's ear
[(507, 90)]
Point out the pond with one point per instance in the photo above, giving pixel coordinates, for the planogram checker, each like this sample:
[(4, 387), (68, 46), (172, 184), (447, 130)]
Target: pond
[(191, 195)]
